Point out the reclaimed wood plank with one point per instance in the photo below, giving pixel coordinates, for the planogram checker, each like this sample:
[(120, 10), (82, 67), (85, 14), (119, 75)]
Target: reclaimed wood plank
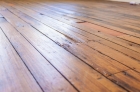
[(44, 19), (134, 64), (14, 75), (45, 74), (131, 38), (133, 85), (103, 23), (95, 38), (77, 72), (100, 62)]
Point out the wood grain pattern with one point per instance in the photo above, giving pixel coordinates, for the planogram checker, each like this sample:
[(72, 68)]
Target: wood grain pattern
[(92, 20), (69, 46), (77, 72), (134, 64), (14, 75), (86, 33), (44, 73), (130, 38), (123, 77)]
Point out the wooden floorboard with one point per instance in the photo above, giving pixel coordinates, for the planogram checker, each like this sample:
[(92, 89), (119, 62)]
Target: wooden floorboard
[(69, 46), (44, 73), (83, 27), (14, 74), (73, 68), (92, 20)]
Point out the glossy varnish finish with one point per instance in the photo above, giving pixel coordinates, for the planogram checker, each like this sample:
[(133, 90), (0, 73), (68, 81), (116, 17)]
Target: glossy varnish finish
[(69, 46)]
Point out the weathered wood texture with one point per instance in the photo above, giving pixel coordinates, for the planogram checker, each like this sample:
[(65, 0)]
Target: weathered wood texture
[(69, 46)]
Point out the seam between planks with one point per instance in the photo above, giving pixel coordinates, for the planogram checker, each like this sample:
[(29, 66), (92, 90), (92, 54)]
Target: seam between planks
[(91, 22), (86, 31), (45, 58), (23, 61)]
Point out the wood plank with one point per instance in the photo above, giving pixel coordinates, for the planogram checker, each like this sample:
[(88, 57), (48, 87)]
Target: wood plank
[(29, 19), (133, 85), (44, 73), (119, 48), (70, 21), (129, 21), (76, 45), (110, 6), (126, 49), (131, 38), (98, 14), (98, 27), (95, 21), (134, 64), (100, 62), (77, 72), (102, 29), (14, 75), (55, 24), (134, 26), (47, 8), (104, 4), (50, 14), (44, 19)]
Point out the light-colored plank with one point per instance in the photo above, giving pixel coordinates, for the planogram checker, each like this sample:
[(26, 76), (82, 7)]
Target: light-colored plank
[(44, 73), (14, 75), (131, 38)]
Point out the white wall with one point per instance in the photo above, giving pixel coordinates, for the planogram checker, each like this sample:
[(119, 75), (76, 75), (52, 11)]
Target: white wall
[(127, 0)]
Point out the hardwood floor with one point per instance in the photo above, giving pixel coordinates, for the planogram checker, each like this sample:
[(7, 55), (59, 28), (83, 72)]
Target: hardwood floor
[(69, 46)]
